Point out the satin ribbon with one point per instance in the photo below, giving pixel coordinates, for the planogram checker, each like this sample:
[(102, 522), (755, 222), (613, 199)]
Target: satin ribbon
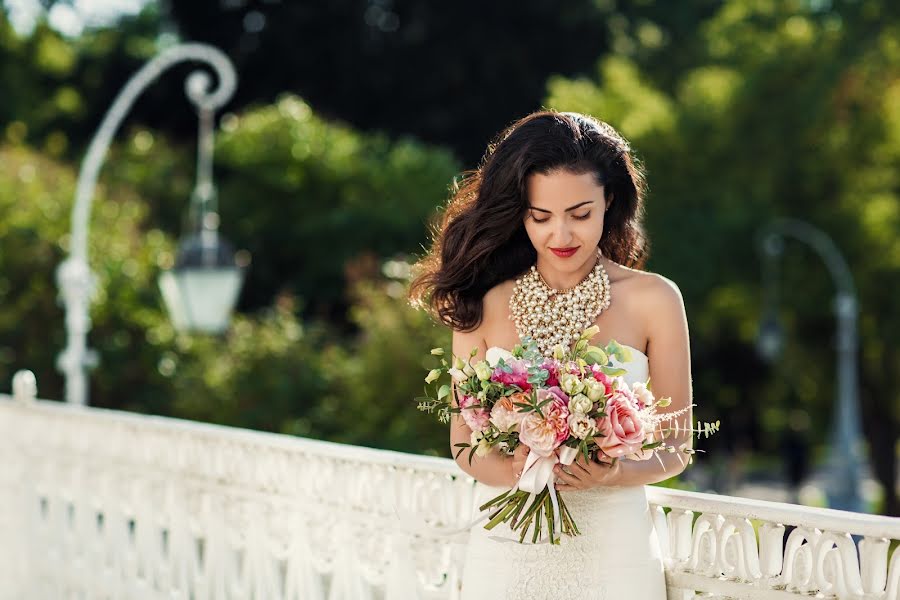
[(538, 474)]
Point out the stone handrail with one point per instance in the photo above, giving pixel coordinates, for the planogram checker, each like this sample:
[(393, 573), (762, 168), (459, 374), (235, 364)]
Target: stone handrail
[(104, 504)]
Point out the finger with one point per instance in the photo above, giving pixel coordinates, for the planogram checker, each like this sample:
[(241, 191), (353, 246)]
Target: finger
[(567, 478), (580, 468), (562, 485)]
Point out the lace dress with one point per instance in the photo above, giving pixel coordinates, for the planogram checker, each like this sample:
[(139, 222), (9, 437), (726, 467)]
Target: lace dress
[(616, 556)]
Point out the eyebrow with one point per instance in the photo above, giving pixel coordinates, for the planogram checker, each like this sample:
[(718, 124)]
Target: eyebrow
[(567, 210)]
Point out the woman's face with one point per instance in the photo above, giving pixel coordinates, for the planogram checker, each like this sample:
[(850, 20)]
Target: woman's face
[(565, 218)]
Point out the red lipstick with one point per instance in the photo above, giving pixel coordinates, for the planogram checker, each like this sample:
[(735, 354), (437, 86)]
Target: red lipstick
[(564, 252)]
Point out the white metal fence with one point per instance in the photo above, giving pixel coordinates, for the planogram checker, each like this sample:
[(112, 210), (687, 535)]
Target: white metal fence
[(98, 504)]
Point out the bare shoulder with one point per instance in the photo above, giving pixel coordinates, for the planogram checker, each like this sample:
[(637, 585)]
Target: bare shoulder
[(496, 300), (498, 329), (643, 288), (494, 316), (657, 296), (658, 290)]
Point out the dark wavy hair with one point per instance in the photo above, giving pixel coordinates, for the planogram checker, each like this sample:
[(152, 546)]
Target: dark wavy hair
[(481, 240)]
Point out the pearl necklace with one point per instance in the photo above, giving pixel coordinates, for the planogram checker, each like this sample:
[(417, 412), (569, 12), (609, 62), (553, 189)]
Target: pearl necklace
[(550, 316)]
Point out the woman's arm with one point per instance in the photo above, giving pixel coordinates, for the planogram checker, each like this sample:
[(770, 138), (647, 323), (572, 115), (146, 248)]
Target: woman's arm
[(494, 469), (670, 376), (669, 352)]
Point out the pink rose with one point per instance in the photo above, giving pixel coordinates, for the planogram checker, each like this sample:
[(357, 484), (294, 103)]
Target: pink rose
[(505, 413), (544, 432), (475, 416), (539, 434), (621, 387), (557, 411), (622, 430), (519, 375), (552, 368)]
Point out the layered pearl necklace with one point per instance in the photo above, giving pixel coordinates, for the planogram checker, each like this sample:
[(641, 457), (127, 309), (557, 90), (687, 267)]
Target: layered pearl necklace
[(550, 316)]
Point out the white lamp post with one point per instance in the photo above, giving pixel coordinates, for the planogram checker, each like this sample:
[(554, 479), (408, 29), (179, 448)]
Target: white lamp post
[(202, 289), (205, 283), (846, 461)]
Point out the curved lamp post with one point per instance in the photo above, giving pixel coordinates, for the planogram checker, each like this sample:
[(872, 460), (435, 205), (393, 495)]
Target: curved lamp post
[(203, 288), (846, 461)]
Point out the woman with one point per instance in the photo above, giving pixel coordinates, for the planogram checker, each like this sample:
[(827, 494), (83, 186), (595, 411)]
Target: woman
[(551, 220)]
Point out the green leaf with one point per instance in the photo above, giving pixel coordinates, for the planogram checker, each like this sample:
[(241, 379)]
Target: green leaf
[(443, 392), (622, 353), (614, 371), (595, 356)]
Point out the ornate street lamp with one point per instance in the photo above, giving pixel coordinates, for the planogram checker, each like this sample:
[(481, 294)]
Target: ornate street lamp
[(846, 458), (201, 290)]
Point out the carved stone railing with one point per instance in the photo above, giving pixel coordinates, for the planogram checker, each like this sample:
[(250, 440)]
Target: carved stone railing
[(103, 504)]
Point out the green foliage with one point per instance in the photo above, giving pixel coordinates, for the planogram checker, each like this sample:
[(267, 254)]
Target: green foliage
[(376, 378), (35, 203), (57, 89), (742, 111), (265, 374), (307, 196), (784, 114), (446, 72)]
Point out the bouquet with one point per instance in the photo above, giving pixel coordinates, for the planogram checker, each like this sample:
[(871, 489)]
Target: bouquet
[(576, 402)]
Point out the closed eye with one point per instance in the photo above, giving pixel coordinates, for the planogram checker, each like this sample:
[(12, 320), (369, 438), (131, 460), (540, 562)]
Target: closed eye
[(583, 217)]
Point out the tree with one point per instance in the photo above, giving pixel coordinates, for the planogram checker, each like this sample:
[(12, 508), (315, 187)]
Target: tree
[(788, 114), (451, 73)]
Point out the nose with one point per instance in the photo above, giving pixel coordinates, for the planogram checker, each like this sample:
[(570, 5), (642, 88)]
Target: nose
[(561, 236)]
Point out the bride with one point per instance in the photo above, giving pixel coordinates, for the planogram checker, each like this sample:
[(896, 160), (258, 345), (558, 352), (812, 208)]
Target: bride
[(542, 238)]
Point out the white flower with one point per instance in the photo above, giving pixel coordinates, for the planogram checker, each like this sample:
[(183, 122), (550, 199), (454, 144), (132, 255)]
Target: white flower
[(494, 354), (579, 403), (468, 370), (437, 351), (581, 425), (458, 363), (483, 371), (432, 375), (643, 395), (457, 375), (482, 447), (570, 383), (559, 352), (594, 389)]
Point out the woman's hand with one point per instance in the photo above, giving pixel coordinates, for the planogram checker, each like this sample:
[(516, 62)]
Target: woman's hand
[(581, 475), (518, 462)]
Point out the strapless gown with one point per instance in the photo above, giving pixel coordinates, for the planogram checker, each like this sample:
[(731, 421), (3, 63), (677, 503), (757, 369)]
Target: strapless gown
[(616, 557)]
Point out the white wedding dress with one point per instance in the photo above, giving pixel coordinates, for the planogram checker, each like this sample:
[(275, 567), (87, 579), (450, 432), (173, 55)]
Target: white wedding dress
[(616, 557)]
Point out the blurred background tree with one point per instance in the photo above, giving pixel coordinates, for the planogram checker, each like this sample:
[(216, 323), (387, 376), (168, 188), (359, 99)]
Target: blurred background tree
[(349, 124)]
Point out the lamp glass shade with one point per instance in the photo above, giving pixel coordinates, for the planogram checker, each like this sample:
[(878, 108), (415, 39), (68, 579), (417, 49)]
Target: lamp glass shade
[(201, 299), (770, 340)]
